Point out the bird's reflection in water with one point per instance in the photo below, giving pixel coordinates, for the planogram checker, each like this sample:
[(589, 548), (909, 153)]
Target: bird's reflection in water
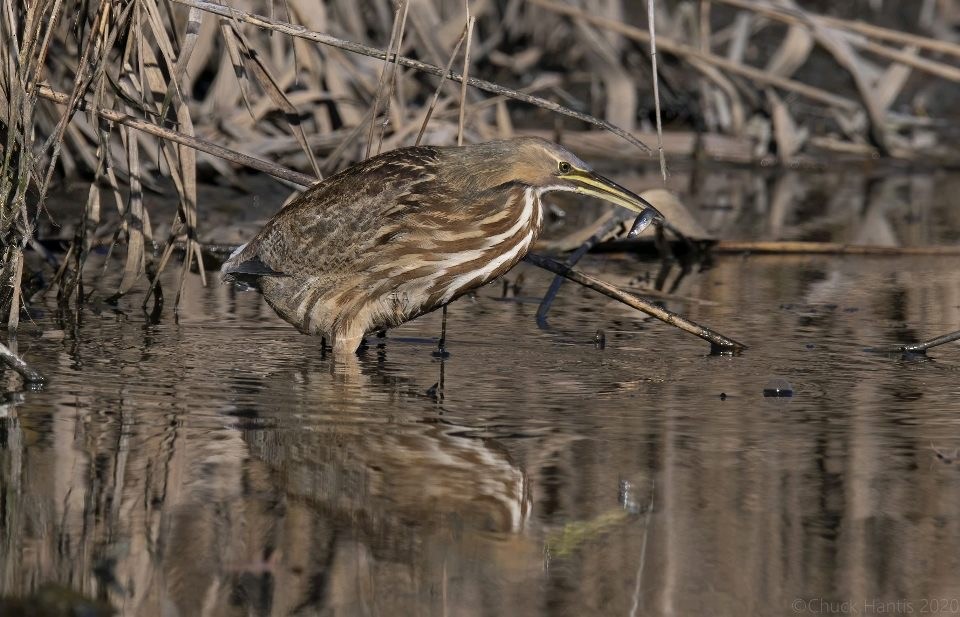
[(410, 468), (301, 508), (353, 511)]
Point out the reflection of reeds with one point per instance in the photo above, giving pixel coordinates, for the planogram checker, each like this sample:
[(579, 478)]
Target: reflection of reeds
[(186, 82)]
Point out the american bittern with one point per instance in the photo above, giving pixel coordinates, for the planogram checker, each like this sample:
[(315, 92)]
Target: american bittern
[(406, 232)]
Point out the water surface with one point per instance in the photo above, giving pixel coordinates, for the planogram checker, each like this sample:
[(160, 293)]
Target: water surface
[(216, 463)]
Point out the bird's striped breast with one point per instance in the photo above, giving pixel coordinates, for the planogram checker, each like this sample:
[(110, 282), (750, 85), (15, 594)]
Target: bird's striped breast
[(451, 261), (499, 253), (420, 267)]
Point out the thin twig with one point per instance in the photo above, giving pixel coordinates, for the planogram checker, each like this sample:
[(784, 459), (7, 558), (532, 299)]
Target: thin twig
[(716, 340), (326, 39), (656, 87), (16, 363)]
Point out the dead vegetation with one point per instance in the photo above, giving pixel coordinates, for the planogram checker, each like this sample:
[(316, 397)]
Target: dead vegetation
[(138, 96)]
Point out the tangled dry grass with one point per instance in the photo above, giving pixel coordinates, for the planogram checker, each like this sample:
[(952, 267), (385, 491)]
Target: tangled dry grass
[(134, 96)]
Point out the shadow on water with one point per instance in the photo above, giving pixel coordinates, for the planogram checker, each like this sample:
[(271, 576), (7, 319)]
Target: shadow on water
[(220, 465)]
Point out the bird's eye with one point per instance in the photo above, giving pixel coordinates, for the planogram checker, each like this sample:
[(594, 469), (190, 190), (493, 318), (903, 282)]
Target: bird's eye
[(564, 167)]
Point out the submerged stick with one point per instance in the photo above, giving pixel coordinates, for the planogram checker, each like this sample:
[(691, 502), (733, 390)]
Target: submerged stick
[(16, 363), (717, 341), (830, 248), (357, 48), (921, 347)]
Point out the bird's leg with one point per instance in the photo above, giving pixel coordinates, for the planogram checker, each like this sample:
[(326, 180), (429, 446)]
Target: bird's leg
[(441, 352), (436, 390), (347, 342)]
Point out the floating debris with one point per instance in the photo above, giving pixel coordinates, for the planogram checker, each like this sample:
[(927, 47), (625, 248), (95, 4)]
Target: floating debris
[(778, 388)]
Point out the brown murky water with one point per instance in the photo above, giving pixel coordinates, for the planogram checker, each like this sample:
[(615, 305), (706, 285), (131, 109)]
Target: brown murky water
[(217, 464)]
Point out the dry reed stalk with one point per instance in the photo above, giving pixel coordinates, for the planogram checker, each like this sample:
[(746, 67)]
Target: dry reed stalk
[(656, 87), (27, 30), (471, 20), (196, 143), (685, 51), (719, 341), (877, 32), (393, 46), (137, 65), (436, 94), (326, 39)]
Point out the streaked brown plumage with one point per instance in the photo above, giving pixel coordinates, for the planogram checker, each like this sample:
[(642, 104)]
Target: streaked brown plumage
[(408, 231)]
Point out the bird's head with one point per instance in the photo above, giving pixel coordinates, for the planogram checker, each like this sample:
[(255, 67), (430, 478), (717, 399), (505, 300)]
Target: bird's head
[(547, 167)]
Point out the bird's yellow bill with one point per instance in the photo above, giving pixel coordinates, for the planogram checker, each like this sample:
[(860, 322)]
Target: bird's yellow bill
[(595, 185)]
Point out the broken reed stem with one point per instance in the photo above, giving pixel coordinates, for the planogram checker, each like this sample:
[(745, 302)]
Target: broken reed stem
[(436, 93), (717, 341), (704, 29), (393, 46), (13, 318), (486, 86), (383, 76), (471, 20), (16, 363), (656, 87)]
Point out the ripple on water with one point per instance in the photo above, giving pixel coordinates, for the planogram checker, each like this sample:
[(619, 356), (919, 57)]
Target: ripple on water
[(216, 453)]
